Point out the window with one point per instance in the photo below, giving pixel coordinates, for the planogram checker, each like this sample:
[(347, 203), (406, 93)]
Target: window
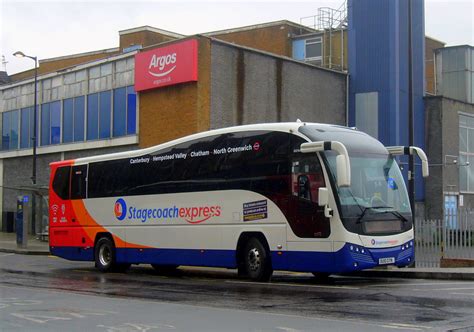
[(45, 127), (131, 110), (79, 119), (26, 127), (104, 114), (78, 182), (120, 109), (92, 116), (10, 126), (313, 48), (367, 113), (73, 120), (51, 123), (61, 182), (6, 130), (55, 122), (466, 153), (68, 124), (258, 162)]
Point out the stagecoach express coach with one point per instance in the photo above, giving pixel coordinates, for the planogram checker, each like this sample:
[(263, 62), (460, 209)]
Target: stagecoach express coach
[(286, 196)]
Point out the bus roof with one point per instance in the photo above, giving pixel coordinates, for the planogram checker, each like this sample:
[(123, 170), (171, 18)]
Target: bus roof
[(281, 127)]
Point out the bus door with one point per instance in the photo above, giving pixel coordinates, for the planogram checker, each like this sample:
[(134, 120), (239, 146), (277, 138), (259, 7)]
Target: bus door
[(307, 217)]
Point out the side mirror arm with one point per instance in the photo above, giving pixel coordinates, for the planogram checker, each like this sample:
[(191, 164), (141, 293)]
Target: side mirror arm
[(344, 174), (411, 150)]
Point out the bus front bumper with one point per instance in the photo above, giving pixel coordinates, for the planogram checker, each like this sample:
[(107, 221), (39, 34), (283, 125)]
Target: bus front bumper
[(354, 257)]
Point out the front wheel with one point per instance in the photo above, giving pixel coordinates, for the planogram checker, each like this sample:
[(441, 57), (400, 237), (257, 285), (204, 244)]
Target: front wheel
[(105, 254), (257, 261)]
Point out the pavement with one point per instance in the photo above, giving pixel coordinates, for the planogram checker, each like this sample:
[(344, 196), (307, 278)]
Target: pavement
[(37, 246), (34, 245)]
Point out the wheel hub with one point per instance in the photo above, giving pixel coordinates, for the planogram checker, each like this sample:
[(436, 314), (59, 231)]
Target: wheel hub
[(254, 259), (105, 255)]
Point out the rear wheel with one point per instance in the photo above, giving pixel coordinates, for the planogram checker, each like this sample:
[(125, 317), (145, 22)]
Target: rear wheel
[(257, 262), (105, 256)]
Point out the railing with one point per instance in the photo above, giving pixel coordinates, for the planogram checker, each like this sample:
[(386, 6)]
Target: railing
[(327, 18), (451, 237)]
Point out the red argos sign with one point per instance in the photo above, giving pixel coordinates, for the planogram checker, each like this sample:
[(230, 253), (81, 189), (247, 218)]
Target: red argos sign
[(169, 65)]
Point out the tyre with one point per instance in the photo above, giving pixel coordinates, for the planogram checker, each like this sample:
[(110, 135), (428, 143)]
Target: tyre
[(257, 263), (105, 255)]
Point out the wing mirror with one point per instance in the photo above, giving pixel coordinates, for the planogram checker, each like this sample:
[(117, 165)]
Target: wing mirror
[(323, 200)]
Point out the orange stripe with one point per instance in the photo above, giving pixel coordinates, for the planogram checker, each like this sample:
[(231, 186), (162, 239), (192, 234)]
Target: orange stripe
[(90, 226)]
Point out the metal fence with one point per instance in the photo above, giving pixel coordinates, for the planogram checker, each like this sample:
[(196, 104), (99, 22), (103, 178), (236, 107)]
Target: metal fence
[(451, 237)]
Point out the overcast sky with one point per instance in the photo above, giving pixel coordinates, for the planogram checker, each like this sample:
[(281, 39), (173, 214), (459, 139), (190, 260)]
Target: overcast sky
[(56, 28)]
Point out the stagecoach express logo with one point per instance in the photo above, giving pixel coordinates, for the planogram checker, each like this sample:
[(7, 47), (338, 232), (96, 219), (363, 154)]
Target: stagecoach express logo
[(120, 209), (384, 242), (192, 215)]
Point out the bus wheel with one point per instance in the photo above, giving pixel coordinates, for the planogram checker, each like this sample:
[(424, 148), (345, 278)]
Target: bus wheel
[(105, 254), (257, 261)]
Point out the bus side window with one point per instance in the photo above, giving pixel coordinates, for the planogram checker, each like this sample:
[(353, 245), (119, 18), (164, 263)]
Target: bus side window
[(61, 182), (307, 177), (78, 182)]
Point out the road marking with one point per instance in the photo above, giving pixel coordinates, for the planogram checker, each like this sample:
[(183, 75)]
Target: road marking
[(421, 284), (411, 325), (286, 284), (5, 255), (401, 327), (465, 294), (287, 329), (51, 256), (40, 319), (443, 289), (135, 327)]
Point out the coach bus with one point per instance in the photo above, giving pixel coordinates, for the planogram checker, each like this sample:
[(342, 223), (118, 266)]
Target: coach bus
[(286, 196)]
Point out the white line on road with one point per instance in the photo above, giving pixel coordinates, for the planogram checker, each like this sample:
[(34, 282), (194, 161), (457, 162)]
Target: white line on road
[(443, 289), (408, 284), (400, 327), (465, 294), (5, 255), (285, 284)]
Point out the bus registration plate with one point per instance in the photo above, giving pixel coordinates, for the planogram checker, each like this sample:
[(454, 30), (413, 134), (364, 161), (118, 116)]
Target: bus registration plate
[(387, 260)]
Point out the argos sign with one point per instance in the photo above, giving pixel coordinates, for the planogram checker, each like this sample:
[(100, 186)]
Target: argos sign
[(169, 65)]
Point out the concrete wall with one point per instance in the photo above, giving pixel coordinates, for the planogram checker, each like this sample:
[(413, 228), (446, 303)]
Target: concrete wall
[(442, 148), (252, 87)]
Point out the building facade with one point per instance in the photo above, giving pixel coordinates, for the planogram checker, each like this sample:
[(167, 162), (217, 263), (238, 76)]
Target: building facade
[(104, 105)]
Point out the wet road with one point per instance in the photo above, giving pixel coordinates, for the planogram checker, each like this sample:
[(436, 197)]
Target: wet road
[(47, 293)]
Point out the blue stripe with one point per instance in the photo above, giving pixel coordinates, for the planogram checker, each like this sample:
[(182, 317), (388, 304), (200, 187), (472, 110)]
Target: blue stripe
[(73, 253), (343, 261)]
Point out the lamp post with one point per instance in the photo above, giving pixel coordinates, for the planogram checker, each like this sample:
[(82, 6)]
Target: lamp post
[(20, 54)]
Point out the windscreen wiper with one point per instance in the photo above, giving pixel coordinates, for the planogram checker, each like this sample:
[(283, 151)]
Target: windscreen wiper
[(362, 214), (392, 211)]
